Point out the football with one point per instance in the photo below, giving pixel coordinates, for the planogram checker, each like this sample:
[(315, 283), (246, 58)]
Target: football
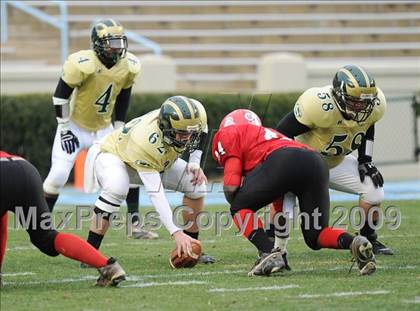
[(185, 261)]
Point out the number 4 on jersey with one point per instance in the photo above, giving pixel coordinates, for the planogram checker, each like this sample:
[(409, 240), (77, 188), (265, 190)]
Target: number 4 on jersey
[(103, 100)]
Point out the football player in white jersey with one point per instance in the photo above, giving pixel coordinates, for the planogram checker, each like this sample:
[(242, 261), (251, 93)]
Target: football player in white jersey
[(94, 83), (336, 120), (147, 150)]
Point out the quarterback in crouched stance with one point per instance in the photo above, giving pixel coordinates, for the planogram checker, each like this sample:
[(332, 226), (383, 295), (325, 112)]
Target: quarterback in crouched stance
[(274, 165), (336, 120), (147, 150)]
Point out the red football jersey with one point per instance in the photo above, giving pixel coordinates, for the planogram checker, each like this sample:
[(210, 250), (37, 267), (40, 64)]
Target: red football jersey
[(4, 154), (250, 144)]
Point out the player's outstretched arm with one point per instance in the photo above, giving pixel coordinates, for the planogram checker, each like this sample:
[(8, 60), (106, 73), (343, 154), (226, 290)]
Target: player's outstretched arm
[(154, 188), (290, 126)]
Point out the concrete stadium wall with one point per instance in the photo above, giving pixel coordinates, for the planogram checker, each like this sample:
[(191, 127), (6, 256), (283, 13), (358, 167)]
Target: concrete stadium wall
[(158, 74)]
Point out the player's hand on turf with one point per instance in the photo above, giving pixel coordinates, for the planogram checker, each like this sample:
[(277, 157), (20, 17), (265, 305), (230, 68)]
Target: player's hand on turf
[(369, 169), (69, 141), (183, 243), (198, 175)]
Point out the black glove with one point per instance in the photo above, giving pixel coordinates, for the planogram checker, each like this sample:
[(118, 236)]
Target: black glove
[(369, 169), (69, 141)]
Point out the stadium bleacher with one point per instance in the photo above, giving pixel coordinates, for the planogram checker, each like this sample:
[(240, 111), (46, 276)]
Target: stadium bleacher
[(218, 47)]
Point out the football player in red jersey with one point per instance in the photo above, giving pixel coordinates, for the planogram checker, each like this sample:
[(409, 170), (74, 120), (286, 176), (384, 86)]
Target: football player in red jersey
[(273, 165), (21, 186)]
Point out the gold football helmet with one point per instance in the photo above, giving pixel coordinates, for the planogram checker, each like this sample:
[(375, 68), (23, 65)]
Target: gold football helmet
[(181, 120), (355, 92), (109, 41)]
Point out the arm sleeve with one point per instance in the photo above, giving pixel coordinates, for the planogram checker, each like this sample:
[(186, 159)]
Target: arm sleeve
[(232, 172), (195, 156), (63, 90), (61, 101), (153, 184), (121, 104), (366, 147), (291, 127)]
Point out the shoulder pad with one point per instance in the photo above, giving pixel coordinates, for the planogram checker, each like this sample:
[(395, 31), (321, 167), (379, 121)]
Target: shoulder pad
[(380, 107), (316, 108), (84, 61), (133, 63)]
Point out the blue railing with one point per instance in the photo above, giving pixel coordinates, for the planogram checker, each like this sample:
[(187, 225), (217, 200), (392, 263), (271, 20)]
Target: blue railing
[(61, 23)]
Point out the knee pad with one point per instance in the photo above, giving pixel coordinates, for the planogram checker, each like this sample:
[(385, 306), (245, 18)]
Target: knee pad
[(44, 241), (109, 202), (371, 194), (57, 178)]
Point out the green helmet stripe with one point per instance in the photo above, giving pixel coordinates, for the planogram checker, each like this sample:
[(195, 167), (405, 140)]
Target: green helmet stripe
[(183, 106), (109, 22), (359, 75)]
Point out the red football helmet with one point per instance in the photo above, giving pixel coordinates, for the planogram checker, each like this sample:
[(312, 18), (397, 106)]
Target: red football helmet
[(241, 116)]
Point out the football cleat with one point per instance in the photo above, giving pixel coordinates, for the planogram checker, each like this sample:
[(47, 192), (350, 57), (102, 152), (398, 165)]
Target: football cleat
[(268, 263), (361, 250), (206, 259), (378, 247), (111, 275), (286, 261), (140, 234)]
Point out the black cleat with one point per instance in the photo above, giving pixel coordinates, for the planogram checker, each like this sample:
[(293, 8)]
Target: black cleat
[(206, 259), (286, 261), (381, 249), (268, 263)]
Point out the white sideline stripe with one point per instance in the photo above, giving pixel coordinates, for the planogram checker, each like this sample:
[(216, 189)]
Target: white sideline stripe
[(21, 248), (70, 280), (18, 274), (343, 294), (246, 289), (135, 278), (150, 284)]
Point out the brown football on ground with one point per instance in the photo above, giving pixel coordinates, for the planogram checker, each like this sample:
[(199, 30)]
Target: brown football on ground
[(185, 261)]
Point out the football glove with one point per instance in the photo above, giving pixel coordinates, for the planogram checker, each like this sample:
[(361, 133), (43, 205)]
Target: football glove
[(69, 141), (369, 169)]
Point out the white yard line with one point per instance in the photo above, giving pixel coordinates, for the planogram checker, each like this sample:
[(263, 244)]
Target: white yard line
[(247, 289), (177, 283), (18, 274), (70, 280), (187, 274), (21, 248), (344, 294)]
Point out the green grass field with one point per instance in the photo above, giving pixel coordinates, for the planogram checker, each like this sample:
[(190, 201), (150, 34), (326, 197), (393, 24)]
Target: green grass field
[(319, 280)]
